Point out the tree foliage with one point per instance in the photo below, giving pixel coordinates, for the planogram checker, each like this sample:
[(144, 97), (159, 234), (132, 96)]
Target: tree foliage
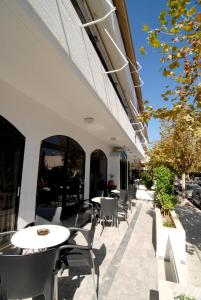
[(178, 37), (180, 145)]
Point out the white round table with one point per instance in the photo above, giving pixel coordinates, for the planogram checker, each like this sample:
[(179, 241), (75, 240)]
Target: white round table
[(115, 192), (98, 199), (29, 239)]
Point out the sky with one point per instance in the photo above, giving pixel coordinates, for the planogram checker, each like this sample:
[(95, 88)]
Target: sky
[(143, 12)]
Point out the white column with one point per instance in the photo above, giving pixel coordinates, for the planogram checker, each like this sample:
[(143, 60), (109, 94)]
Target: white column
[(87, 175), (114, 169), (27, 203)]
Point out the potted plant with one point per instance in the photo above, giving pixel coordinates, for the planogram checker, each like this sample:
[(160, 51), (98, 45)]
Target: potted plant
[(164, 197), (169, 231), (147, 179), (111, 184)]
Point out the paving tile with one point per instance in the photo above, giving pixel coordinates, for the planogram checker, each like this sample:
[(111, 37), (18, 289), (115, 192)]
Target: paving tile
[(127, 261)]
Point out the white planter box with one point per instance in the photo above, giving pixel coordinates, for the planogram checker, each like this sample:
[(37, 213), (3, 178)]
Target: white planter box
[(170, 245), (176, 235), (143, 194)]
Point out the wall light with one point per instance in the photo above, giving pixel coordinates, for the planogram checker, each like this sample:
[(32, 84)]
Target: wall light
[(89, 120)]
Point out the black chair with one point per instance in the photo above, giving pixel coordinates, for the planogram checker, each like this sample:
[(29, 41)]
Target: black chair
[(77, 256), (123, 203), (84, 206), (109, 211), (6, 245), (26, 276)]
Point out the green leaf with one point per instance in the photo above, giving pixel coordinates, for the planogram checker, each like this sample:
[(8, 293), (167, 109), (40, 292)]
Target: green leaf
[(142, 50), (174, 65), (191, 11), (166, 72), (165, 48), (145, 28), (162, 18), (174, 30), (155, 43)]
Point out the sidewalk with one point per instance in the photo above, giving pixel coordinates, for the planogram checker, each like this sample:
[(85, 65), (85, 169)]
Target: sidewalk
[(126, 258), (136, 272), (190, 217)]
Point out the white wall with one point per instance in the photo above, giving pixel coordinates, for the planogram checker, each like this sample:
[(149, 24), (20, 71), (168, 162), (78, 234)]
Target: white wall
[(64, 24), (36, 123)]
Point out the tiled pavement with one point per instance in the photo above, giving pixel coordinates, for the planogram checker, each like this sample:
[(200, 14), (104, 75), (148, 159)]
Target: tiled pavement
[(126, 259)]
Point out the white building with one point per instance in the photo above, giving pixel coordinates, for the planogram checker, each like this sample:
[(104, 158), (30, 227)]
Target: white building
[(69, 96)]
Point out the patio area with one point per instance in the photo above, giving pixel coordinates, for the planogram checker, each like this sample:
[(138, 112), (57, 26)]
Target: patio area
[(126, 266)]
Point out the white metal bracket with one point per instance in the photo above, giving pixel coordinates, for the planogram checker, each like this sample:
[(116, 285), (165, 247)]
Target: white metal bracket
[(134, 67), (135, 110), (120, 52), (139, 123), (136, 70), (101, 19)]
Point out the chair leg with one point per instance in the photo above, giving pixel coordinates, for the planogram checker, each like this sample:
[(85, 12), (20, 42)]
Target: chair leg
[(93, 275), (56, 287), (76, 219)]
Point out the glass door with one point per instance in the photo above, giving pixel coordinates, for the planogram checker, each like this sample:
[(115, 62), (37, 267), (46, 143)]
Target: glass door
[(11, 159), (98, 174), (123, 173)]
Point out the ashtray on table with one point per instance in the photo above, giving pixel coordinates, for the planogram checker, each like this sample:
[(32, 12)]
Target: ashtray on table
[(43, 231)]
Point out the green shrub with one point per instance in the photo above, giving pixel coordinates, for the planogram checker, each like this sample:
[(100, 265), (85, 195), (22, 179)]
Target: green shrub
[(164, 180), (166, 203), (183, 297), (164, 189), (147, 179)]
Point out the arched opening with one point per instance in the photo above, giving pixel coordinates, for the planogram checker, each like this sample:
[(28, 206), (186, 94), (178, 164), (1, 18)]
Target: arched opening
[(61, 173), (123, 171), (11, 161), (98, 173)]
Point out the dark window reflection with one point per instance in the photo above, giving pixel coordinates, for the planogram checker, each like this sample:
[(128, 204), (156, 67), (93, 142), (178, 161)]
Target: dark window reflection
[(123, 171), (11, 158), (98, 174), (61, 172)]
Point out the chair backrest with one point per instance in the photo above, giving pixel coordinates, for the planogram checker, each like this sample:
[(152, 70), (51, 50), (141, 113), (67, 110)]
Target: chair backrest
[(91, 233), (100, 193), (25, 276), (124, 196), (6, 246), (109, 207), (6, 235)]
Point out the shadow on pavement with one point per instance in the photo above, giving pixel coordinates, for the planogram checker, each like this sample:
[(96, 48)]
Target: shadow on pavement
[(190, 218), (151, 213)]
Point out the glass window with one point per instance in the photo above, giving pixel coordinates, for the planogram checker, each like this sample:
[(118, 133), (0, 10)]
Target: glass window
[(11, 160), (98, 174), (61, 172)]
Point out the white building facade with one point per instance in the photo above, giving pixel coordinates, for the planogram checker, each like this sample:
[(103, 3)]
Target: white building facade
[(64, 115)]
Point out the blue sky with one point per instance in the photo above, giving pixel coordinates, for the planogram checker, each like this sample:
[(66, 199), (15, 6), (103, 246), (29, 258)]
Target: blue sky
[(146, 12)]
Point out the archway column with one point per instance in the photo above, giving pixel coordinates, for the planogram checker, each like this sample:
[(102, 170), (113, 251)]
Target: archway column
[(114, 169), (87, 175), (27, 203)]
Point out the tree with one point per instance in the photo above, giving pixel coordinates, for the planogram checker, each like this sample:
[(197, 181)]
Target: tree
[(179, 147), (178, 37)]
